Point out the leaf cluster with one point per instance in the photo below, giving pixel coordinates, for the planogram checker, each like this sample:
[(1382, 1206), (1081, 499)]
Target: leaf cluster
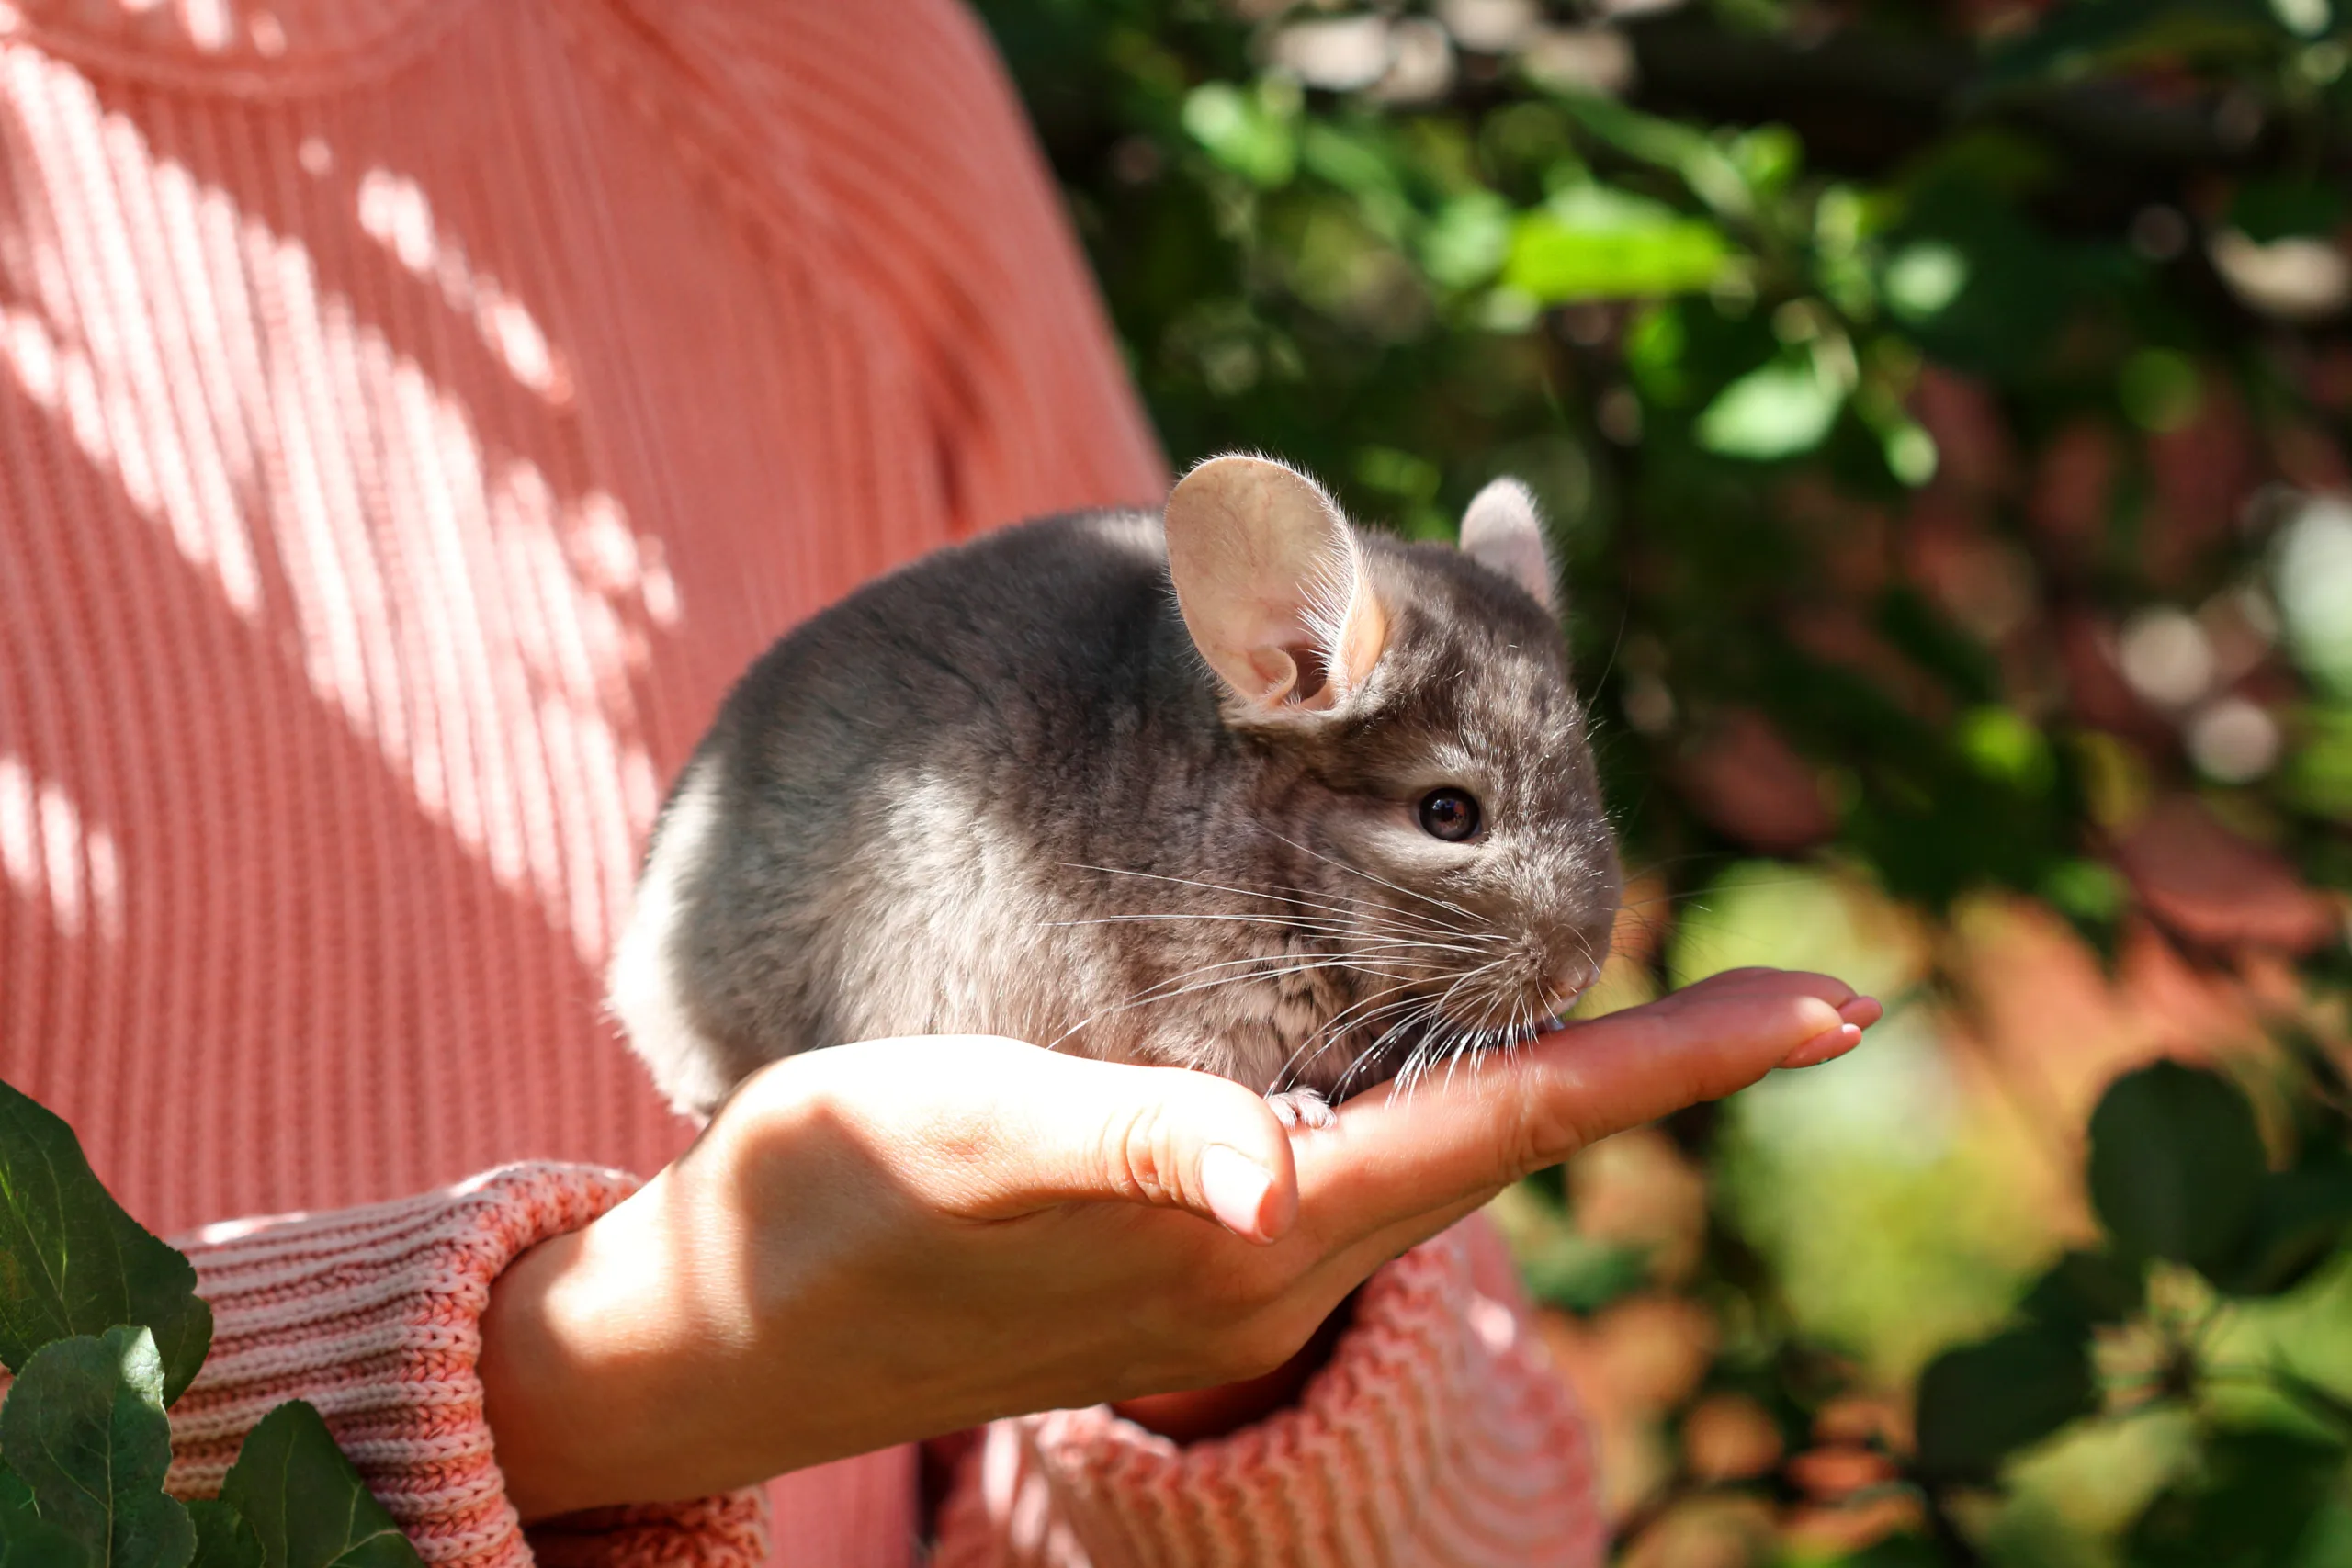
[(102, 1329), (1948, 493), (2179, 1176)]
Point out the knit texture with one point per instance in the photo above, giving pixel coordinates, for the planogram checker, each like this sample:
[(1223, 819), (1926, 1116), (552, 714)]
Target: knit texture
[(414, 414), (1419, 1446), (412, 417), (374, 1315)]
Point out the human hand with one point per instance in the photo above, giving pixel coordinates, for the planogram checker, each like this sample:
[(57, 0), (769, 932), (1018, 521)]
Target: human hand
[(880, 1242)]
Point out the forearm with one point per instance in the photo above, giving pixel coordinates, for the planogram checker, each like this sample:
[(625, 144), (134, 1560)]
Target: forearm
[(374, 1315)]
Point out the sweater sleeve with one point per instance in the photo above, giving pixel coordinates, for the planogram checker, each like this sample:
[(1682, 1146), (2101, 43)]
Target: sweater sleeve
[(1437, 1437), (374, 1315)]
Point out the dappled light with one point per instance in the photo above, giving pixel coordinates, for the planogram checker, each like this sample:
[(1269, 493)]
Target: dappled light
[(292, 413)]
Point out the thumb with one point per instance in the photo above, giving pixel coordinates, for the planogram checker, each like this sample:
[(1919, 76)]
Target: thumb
[(1031, 1129)]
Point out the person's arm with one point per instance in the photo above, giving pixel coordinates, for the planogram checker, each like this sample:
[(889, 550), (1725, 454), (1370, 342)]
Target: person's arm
[(373, 1315), (877, 1243)]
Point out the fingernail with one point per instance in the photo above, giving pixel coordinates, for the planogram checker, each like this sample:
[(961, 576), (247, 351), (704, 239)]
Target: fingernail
[(1826, 1047), (1236, 1186)]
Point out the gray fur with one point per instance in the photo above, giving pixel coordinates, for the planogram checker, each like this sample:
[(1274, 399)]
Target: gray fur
[(999, 792)]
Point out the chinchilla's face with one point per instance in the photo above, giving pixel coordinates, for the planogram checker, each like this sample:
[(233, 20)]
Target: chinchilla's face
[(1431, 780), (1458, 792)]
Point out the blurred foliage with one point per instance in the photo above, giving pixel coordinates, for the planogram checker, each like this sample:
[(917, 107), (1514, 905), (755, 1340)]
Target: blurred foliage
[(1943, 412)]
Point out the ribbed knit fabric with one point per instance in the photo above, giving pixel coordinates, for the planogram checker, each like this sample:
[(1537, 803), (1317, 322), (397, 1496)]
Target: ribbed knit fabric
[(1419, 1446), (413, 414), (374, 1315)]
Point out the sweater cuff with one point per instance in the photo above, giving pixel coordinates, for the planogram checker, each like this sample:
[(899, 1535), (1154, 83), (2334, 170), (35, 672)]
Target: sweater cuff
[(374, 1315), (1439, 1434)]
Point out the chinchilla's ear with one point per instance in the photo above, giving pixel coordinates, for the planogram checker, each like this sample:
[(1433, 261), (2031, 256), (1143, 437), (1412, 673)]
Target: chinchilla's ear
[(1504, 531), (1272, 583)]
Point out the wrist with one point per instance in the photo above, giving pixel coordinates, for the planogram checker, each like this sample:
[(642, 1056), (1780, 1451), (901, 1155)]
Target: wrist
[(1196, 1415), (579, 1350)]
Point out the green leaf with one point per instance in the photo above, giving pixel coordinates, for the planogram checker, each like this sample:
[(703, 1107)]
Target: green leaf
[(2086, 1289), (2315, 1397), (1582, 1275), (73, 1263), (2257, 1497), (1780, 410), (1242, 132), (2301, 1218), (1980, 1403), (27, 1540), (225, 1537), (2318, 775), (1468, 240), (1591, 243), (2002, 745), (1712, 175), (84, 1427), (15, 1497), (2176, 1165), (310, 1507), (1923, 277)]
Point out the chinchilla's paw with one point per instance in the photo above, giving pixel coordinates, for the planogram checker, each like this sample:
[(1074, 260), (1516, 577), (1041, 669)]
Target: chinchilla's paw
[(1303, 1107)]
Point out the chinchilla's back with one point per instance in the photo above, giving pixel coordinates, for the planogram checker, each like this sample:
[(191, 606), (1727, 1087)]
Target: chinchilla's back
[(876, 838)]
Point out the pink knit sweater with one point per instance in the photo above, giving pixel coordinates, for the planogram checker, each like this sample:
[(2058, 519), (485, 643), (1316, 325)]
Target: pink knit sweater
[(413, 414)]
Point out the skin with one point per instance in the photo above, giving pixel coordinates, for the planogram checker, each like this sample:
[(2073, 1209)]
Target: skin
[(881, 1242)]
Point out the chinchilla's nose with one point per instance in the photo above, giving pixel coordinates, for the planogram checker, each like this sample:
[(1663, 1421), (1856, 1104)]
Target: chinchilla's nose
[(1568, 980)]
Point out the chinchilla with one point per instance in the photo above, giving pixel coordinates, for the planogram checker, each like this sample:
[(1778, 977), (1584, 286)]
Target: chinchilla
[(1243, 789)]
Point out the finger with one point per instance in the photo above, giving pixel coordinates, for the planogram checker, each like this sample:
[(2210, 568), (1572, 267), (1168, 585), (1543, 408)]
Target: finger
[(1410, 1230), (993, 1129), (1395, 1156)]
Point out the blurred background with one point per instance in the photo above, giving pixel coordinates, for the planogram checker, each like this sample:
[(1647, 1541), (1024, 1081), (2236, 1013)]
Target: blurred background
[(1944, 412)]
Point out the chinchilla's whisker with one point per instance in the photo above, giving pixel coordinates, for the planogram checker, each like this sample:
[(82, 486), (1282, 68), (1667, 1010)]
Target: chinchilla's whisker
[(1338, 864), (1283, 965), (1423, 1056), (1354, 1017), (1357, 1015), (1285, 922), (1212, 886), (1294, 1070), (1158, 992), (1312, 928), (1349, 915), (1414, 1018), (1163, 990), (1408, 1014), (1489, 1035), (1423, 1013), (1394, 912), (1335, 926), (1445, 904)]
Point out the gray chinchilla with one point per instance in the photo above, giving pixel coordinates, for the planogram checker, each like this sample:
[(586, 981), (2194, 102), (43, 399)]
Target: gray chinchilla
[(1322, 814)]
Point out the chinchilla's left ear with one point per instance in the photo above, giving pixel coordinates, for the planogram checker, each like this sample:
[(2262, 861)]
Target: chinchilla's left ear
[(1504, 531), (1272, 585)]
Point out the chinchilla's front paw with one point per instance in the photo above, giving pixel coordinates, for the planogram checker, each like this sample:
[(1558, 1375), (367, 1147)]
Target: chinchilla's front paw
[(1303, 1107)]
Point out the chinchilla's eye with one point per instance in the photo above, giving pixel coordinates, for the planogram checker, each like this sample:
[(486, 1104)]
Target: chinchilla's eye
[(1450, 814)]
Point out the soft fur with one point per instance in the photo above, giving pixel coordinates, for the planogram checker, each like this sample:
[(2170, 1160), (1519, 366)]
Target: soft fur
[(1003, 792)]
